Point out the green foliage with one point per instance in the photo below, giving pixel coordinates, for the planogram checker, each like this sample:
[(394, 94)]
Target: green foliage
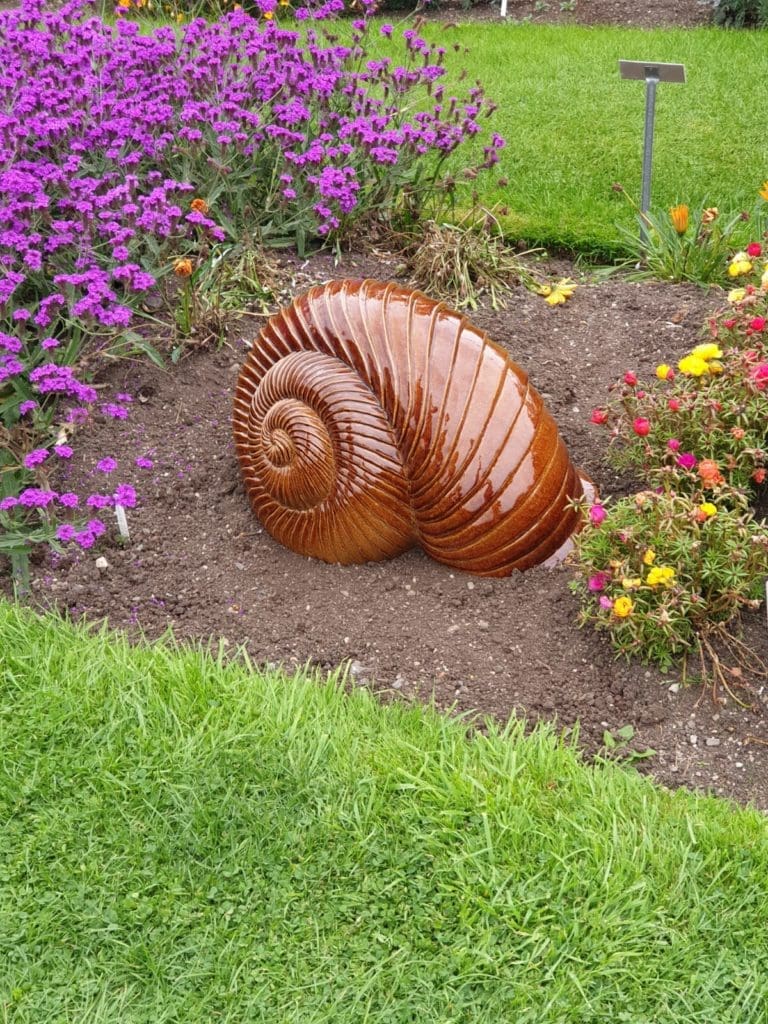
[(617, 746), (666, 572), (703, 422), (676, 246), (741, 13), (663, 573), (187, 839)]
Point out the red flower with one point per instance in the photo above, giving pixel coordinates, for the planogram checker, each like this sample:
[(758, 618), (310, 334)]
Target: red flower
[(729, 324), (757, 323), (754, 249), (673, 405), (641, 426), (599, 416), (630, 378), (759, 476)]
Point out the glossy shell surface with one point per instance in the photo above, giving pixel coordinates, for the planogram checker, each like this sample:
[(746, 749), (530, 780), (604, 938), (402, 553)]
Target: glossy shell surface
[(369, 418)]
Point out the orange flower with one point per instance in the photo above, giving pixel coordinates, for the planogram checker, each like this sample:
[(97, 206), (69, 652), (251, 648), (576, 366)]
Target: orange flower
[(764, 191), (199, 206), (710, 473), (182, 267), (679, 217)]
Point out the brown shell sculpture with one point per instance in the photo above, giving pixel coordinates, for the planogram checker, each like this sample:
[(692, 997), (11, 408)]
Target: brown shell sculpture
[(369, 418)]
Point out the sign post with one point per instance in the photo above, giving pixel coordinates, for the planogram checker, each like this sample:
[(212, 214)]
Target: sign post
[(652, 74)]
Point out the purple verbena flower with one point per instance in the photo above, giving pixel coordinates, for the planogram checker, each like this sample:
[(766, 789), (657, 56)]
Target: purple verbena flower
[(35, 458)]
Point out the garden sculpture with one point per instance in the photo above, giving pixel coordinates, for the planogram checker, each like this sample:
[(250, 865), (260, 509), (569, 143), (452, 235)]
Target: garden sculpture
[(369, 418)]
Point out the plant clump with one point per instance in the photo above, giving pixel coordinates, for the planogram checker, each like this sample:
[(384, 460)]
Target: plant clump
[(696, 245), (667, 571)]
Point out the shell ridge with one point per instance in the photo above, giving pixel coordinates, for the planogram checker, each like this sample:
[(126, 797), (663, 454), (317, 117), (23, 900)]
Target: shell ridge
[(424, 462), (500, 450), (442, 463), (474, 445), (419, 392), (506, 520)]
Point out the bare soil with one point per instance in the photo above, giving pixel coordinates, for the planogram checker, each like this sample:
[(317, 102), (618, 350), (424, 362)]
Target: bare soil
[(199, 562), (629, 13)]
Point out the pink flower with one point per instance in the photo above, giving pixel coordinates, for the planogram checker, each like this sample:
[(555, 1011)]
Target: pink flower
[(673, 444), (759, 375), (599, 416), (754, 249), (641, 426), (598, 582), (757, 323), (606, 602), (686, 460), (630, 378), (597, 514), (673, 405)]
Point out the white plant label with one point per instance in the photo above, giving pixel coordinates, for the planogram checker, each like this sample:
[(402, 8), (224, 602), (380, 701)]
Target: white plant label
[(122, 522)]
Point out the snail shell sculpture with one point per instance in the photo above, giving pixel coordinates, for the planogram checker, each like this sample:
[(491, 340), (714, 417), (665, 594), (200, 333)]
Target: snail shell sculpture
[(369, 418)]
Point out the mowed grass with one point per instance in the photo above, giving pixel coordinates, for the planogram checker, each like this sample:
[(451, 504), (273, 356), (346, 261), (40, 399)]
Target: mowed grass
[(188, 840), (573, 127)]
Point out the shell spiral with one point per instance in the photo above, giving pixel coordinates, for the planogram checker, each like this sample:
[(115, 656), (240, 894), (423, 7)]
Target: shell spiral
[(369, 418)]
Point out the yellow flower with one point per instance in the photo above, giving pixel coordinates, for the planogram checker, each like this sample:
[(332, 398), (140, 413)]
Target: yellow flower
[(708, 509), (556, 296), (622, 607), (764, 191), (662, 575), (714, 367), (663, 371), (692, 365), (649, 557), (679, 217), (710, 214), (632, 584), (740, 264), (737, 294), (124, 3), (764, 280), (708, 350)]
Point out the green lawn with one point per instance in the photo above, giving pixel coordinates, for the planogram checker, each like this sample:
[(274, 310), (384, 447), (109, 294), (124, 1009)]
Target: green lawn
[(187, 841), (574, 127)]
